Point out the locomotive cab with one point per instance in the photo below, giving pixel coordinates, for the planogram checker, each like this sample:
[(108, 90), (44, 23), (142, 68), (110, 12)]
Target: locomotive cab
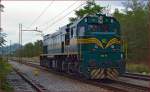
[(100, 47)]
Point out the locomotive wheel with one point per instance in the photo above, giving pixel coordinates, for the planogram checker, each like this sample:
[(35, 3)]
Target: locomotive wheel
[(50, 63), (62, 66), (70, 68), (59, 64), (77, 68)]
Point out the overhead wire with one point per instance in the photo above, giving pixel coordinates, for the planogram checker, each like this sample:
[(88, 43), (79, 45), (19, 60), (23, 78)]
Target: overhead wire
[(59, 14), (38, 17), (63, 16)]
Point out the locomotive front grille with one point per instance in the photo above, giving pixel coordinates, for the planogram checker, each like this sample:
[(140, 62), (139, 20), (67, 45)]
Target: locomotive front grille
[(109, 73), (97, 73)]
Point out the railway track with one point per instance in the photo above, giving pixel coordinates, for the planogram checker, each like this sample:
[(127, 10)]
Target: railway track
[(34, 84), (137, 76), (118, 86)]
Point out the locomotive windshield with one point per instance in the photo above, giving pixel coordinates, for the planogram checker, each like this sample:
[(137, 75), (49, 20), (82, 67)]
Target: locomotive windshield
[(98, 27), (102, 25), (93, 27)]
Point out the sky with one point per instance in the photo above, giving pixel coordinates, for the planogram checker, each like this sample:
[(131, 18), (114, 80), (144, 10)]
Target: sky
[(26, 12)]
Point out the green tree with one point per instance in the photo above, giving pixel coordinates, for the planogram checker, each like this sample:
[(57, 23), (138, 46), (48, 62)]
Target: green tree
[(38, 47), (134, 25), (90, 9), (5, 69), (30, 49), (2, 41)]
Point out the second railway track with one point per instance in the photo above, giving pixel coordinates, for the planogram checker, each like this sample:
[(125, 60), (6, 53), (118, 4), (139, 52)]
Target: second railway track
[(137, 76)]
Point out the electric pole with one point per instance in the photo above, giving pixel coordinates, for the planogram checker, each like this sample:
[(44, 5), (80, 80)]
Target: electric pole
[(20, 38), (10, 49)]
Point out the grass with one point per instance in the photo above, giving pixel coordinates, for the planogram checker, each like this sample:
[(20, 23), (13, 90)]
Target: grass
[(6, 87), (5, 69), (138, 68)]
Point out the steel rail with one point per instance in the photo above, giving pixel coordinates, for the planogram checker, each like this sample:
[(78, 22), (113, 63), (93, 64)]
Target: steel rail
[(81, 79), (137, 76), (120, 85), (34, 85)]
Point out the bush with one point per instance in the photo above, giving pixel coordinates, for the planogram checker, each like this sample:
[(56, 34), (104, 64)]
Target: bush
[(138, 68), (6, 87), (5, 69)]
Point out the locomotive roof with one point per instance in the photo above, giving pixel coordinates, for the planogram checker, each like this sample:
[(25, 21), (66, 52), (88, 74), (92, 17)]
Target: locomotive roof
[(62, 29)]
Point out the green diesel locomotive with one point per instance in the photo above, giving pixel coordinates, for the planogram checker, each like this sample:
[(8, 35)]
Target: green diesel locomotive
[(91, 46)]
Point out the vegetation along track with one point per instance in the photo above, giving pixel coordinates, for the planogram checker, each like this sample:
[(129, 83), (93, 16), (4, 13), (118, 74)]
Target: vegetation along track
[(34, 84), (117, 85)]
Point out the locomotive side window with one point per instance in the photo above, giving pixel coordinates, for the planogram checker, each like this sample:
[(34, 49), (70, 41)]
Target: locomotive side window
[(71, 32), (81, 30), (54, 43), (45, 49), (62, 37), (101, 20), (74, 32), (67, 36), (57, 41)]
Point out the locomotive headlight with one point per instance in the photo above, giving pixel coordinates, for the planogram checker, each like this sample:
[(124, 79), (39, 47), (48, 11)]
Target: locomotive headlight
[(121, 56), (85, 20), (112, 46), (101, 19), (112, 20), (102, 55)]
